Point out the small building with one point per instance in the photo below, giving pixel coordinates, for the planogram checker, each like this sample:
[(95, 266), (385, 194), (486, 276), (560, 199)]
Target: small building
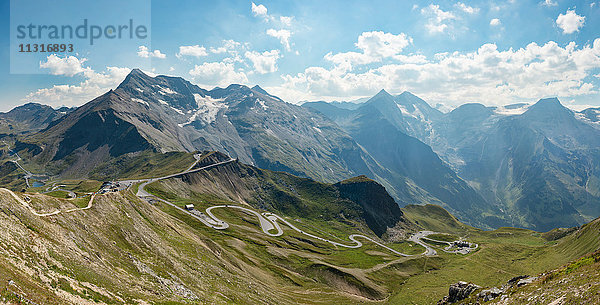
[(462, 244), (189, 207)]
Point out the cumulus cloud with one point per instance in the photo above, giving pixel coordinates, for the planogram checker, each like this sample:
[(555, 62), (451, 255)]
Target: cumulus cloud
[(259, 10), (68, 65), (265, 62), (467, 9), (195, 50), (487, 75), (374, 46), (282, 35), (210, 74), (228, 46), (570, 22), (549, 3), (286, 20), (378, 43), (144, 52), (95, 84), (437, 22), (495, 22)]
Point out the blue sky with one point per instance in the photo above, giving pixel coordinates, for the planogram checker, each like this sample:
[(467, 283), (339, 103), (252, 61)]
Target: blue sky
[(447, 52)]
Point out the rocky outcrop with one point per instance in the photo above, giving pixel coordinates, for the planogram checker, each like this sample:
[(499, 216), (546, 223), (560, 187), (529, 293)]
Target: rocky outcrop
[(379, 209), (463, 290), (458, 292)]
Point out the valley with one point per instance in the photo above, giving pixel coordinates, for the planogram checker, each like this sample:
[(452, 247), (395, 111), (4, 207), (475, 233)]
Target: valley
[(239, 238)]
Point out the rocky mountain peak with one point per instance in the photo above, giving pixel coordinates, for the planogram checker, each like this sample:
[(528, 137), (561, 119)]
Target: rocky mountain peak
[(548, 109), (470, 110), (548, 104), (258, 89), (382, 94), (135, 78), (382, 99)]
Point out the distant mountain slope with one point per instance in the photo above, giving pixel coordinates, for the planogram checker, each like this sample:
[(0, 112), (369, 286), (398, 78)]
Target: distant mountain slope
[(29, 117), (536, 166), (591, 115), (379, 126), (541, 165)]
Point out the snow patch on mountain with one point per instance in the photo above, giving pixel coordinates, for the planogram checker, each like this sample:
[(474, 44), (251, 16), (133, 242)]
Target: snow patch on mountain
[(165, 90), (508, 110), (416, 114), (580, 116), (177, 110), (207, 111), (262, 104), (140, 101)]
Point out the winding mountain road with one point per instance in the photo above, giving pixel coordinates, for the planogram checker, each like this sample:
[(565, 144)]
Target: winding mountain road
[(28, 174), (34, 212), (268, 222), (417, 238)]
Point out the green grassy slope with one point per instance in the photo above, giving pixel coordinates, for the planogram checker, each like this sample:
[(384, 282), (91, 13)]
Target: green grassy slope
[(575, 283), (125, 249), (503, 254)]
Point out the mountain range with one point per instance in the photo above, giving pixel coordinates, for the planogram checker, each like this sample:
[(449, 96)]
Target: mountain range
[(160, 191), (533, 166)]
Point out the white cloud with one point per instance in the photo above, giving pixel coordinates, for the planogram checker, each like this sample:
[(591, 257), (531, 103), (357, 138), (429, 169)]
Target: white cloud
[(285, 20), (265, 62), (570, 22), (259, 10), (375, 46), (467, 9), (382, 44), (68, 65), (220, 74), (218, 50), (145, 53), (437, 22), (195, 50), (282, 35), (549, 3), (94, 85), (487, 75), (495, 22), (228, 46)]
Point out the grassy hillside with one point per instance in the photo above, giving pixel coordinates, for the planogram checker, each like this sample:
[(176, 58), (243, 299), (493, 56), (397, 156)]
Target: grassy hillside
[(358, 202), (124, 250), (435, 218), (503, 254), (575, 283)]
